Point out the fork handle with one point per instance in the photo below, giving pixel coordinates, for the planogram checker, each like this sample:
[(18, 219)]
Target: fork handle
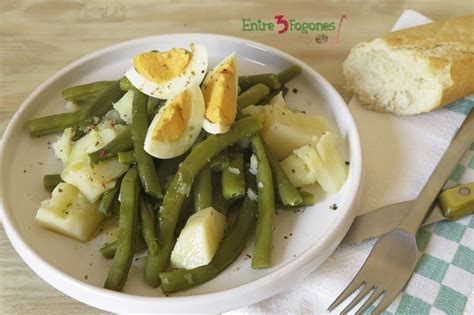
[(421, 206)]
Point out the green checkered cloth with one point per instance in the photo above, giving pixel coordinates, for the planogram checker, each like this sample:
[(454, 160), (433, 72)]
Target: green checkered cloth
[(444, 277)]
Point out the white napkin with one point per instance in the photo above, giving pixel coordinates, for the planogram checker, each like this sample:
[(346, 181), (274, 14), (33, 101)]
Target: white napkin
[(399, 155)]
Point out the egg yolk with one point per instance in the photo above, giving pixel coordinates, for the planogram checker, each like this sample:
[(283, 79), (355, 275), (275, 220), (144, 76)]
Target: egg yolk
[(162, 66), (174, 119), (220, 94)]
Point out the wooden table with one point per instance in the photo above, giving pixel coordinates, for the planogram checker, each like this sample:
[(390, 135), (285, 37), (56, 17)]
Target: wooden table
[(40, 37)]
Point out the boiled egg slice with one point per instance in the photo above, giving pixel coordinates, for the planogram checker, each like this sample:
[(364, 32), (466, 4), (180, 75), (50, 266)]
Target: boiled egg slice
[(176, 125), (164, 74), (220, 89)]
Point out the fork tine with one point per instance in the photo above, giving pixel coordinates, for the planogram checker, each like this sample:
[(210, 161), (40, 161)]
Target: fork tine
[(386, 301), (373, 297), (354, 285), (362, 294)]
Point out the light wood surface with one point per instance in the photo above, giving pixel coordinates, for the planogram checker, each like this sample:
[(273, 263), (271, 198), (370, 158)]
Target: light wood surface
[(38, 38)]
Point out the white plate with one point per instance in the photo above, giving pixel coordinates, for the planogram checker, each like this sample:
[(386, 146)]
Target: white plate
[(302, 240)]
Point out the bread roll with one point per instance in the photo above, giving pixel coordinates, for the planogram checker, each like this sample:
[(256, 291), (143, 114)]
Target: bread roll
[(414, 70)]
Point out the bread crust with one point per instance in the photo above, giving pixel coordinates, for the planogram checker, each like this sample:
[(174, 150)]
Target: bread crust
[(445, 44), (447, 47)]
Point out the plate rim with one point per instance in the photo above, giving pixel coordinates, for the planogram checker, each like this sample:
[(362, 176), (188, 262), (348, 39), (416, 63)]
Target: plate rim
[(81, 291)]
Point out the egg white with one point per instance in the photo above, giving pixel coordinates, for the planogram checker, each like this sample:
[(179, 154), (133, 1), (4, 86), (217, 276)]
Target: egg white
[(168, 150), (218, 127), (192, 74)]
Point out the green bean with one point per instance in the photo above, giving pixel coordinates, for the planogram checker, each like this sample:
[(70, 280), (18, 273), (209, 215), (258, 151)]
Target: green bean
[(128, 221), (183, 179), (228, 251), (152, 106), (126, 157), (203, 189), (78, 134), (148, 226), (108, 250), (122, 142), (85, 91), (167, 168), (266, 100), (87, 100), (82, 118), (289, 73), (50, 181), (308, 198), (288, 194), (233, 180), (269, 79), (102, 104), (220, 162), (108, 198), (266, 207), (55, 123), (220, 203), (186, 212), (253, 95), (125, 84), (146, 168)]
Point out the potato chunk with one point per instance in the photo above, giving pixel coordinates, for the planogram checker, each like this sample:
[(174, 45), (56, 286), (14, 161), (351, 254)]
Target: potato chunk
[(285, 130), (198, 241), (324, 162), (70, 213)]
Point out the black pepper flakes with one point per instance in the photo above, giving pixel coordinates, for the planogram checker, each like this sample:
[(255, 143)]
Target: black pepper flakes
[(295, 91), (285, 237), (348, 163), (333, 207), (86, 277)]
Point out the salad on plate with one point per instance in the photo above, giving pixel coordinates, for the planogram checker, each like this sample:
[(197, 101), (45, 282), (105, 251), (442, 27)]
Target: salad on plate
[(185, 163)]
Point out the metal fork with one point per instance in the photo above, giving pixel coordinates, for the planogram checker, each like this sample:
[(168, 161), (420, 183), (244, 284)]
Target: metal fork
[(394, 256)]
